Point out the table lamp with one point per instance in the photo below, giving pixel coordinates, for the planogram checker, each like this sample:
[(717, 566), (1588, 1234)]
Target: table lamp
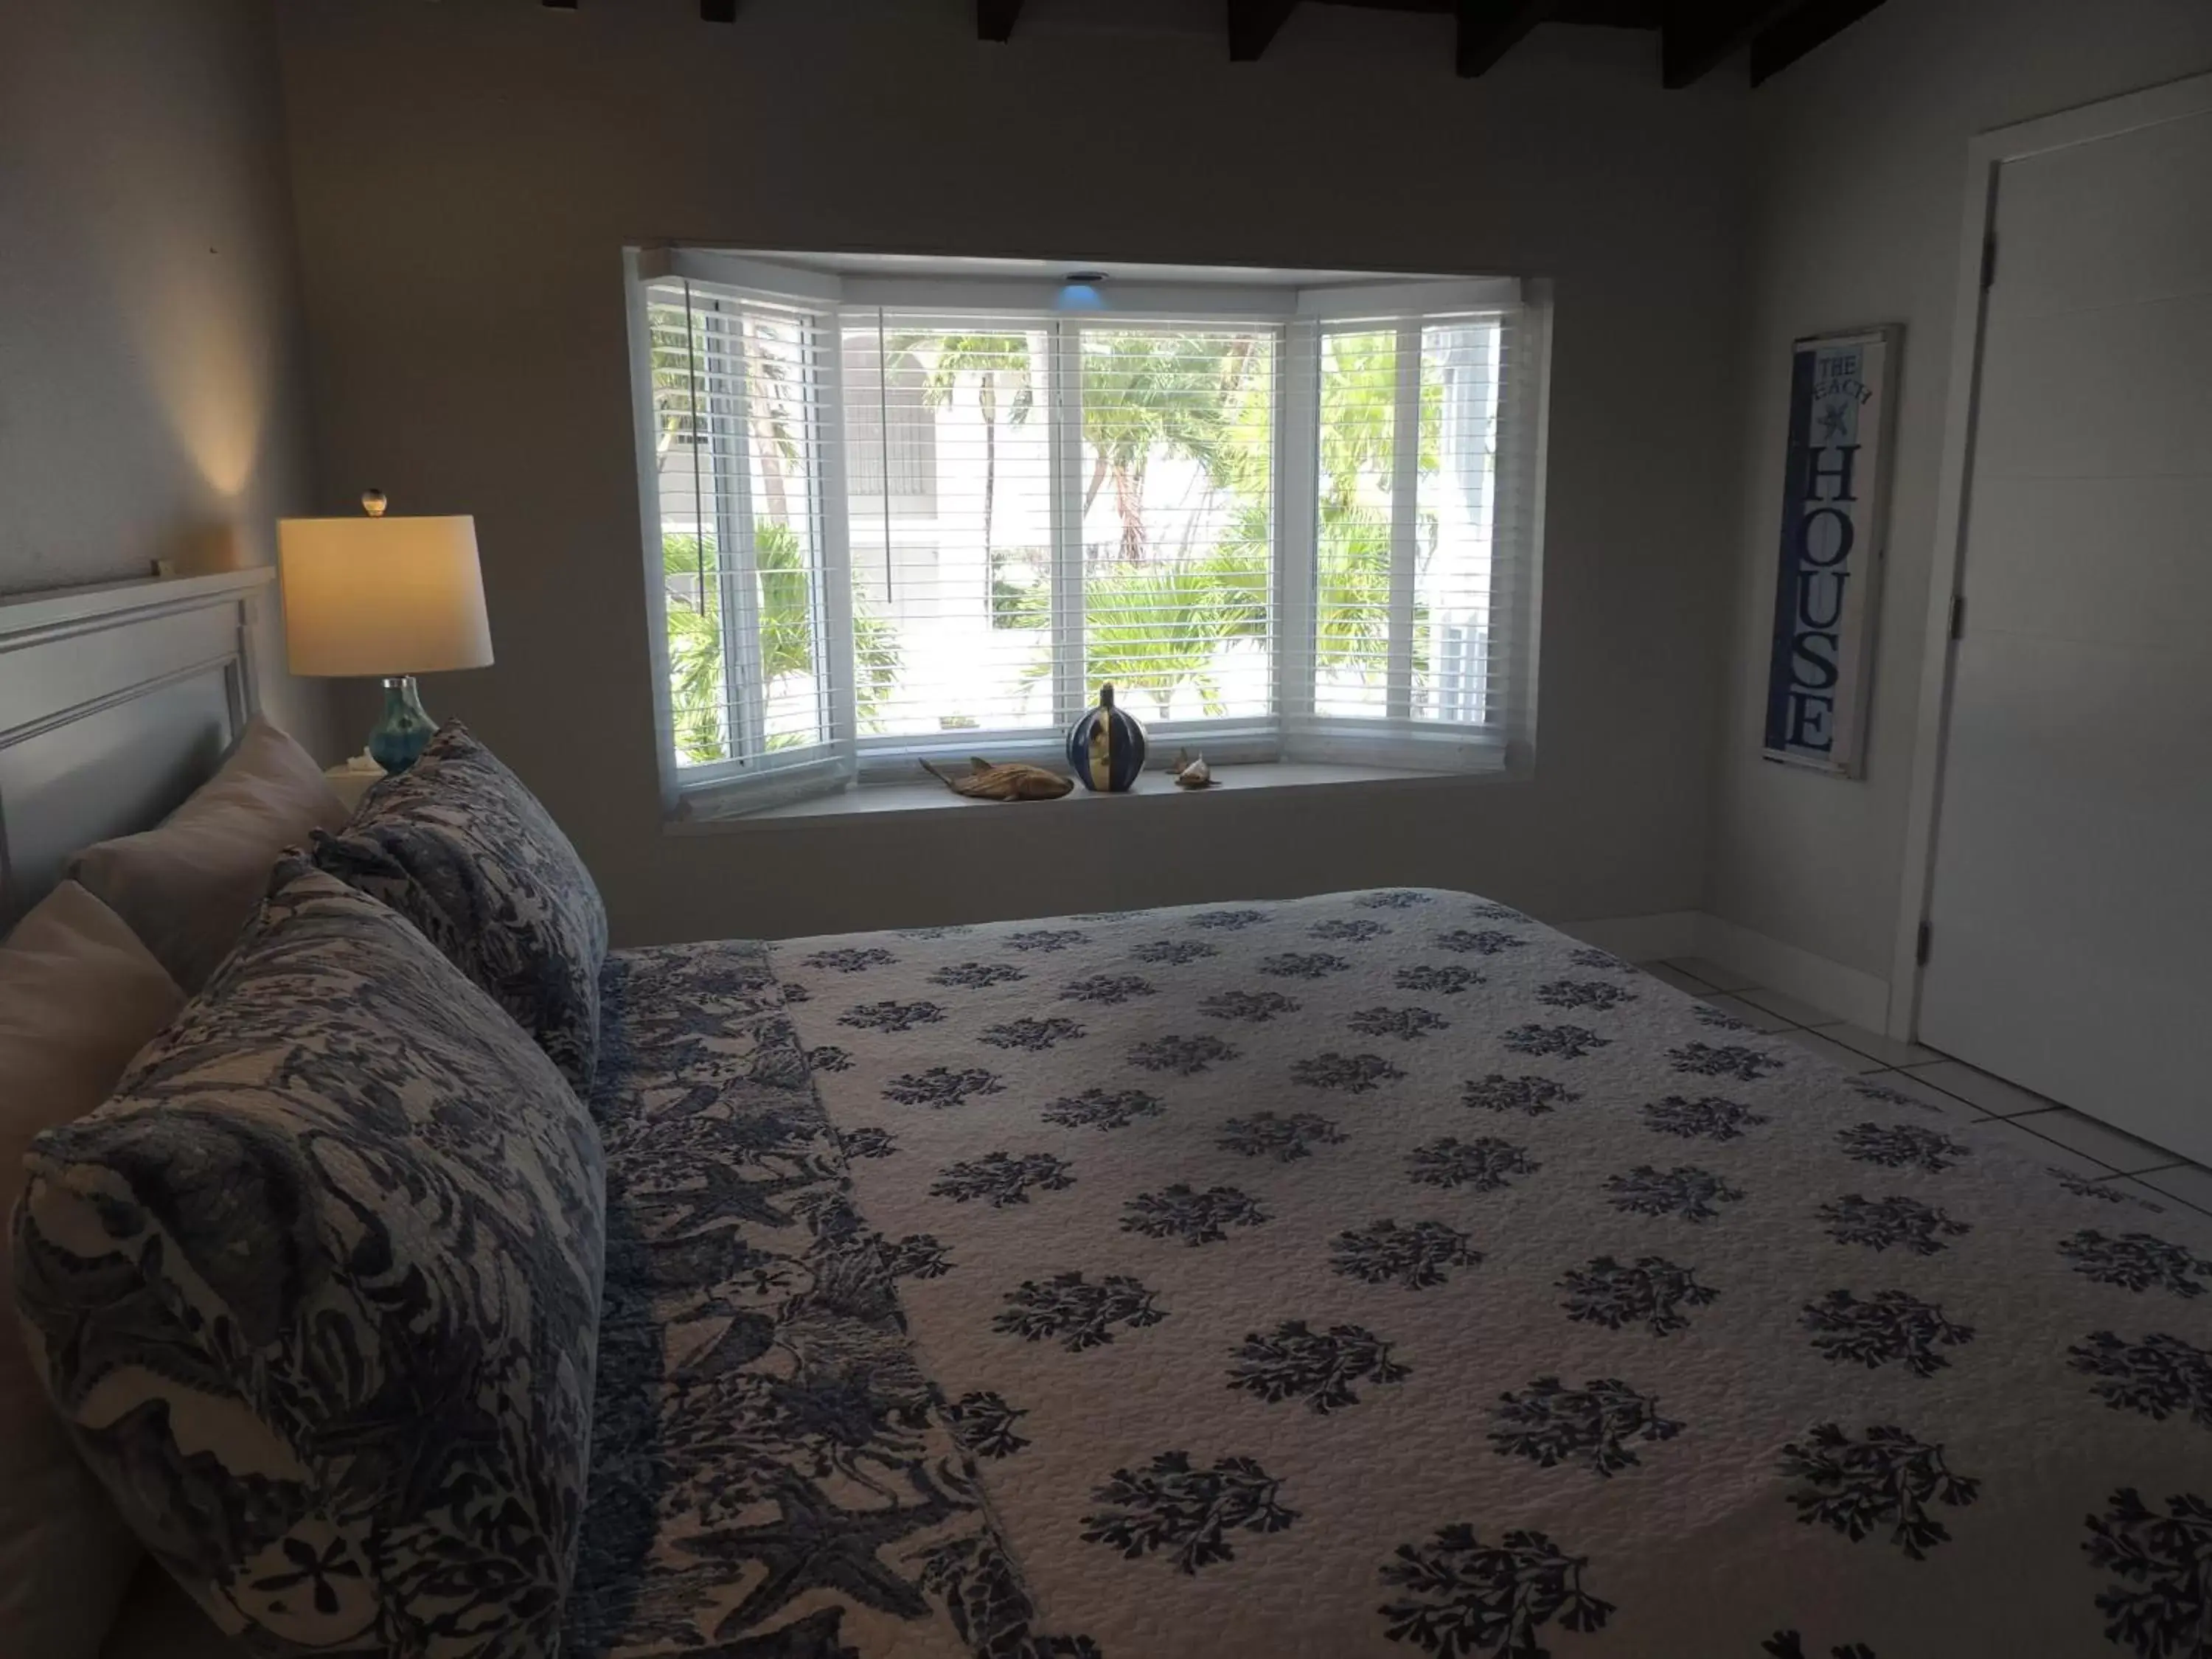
[(384, 598)]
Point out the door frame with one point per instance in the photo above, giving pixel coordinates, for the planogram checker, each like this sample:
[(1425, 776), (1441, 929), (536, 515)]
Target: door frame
[(1986, 157)]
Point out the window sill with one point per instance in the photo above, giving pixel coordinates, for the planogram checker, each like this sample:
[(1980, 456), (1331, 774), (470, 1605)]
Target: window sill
[(922, 795)]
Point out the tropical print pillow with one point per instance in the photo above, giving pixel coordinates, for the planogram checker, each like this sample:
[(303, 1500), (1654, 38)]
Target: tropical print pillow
[(317, 1294), (459, 847)]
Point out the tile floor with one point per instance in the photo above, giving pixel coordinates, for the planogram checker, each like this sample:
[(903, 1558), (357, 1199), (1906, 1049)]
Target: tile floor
[(2064, 1137)]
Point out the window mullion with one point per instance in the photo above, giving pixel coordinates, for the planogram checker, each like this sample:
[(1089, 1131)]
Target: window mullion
[(706, 494), (835, 645), (737, 568), (1517, 513), (876, 529), (1296, 514), (1405, 518), (1069, 695)]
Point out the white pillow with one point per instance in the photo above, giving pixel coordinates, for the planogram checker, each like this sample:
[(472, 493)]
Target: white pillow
[(79, 996), (189, 888)]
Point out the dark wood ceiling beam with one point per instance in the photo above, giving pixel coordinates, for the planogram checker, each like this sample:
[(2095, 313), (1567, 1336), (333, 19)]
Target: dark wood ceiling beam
[(712, 11), (1488, 29), (1698, 36), (1252, 26), (1782, 43)]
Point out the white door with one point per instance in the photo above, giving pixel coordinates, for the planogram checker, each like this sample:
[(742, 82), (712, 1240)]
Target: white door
[(2071, 918)]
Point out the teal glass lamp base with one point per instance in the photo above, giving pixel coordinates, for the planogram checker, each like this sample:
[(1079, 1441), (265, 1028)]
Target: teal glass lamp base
[(400, 736)]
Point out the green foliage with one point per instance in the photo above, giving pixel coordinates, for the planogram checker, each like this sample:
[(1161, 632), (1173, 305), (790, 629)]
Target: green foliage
[(1352, 545), (694, 650), (876, 665), (1019, 604), (1188, 394), (676, 343), (999, 362), (1140, 389), (696, 695), (786, 609), (1153, 628), (1236, 576), (1352, 591), (1360, 425), (685, 350)]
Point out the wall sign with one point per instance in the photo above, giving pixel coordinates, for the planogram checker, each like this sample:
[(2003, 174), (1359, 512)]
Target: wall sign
[(1829, 575)]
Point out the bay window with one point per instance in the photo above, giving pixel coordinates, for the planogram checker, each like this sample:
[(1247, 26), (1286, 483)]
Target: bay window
[(896, 512)]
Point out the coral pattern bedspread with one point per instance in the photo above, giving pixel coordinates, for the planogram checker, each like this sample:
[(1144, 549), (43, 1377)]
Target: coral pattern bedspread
[(1376, 1274)]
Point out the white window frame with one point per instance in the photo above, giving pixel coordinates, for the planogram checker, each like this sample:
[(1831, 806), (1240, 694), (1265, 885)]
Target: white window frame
[(1396, 739), (1298, 318)]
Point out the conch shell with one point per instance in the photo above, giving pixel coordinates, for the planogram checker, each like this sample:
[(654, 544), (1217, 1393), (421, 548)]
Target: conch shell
[(1004, 781), (1191, 774)]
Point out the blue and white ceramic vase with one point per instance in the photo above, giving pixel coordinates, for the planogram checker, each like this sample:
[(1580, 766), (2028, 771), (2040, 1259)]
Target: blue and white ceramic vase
[(1106, 747)]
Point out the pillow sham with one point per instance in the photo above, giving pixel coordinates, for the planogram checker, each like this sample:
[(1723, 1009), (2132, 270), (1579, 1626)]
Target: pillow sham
[(317, 1294), (189, 888), (458, 846), (79, 996)]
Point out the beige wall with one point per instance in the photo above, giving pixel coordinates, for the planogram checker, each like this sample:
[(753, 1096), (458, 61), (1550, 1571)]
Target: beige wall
[(466, 174), (151, 402), (1860, 156)]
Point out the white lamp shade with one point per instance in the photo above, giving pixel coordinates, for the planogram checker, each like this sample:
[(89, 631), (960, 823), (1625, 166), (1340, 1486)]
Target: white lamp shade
[(382, 596)]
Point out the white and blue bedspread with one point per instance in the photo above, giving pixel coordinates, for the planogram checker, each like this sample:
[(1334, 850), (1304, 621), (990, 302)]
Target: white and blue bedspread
[(1376, 1274)]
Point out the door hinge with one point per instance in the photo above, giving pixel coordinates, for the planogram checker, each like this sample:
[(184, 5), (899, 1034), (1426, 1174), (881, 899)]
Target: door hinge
[(1989, 261), (1958, 616), (1920, 946)]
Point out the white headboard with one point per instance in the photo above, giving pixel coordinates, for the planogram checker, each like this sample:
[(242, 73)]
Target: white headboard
[(116, 703)]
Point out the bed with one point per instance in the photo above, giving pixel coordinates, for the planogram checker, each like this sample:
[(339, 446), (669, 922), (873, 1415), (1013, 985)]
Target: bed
[(1371, 1274), (1375, 1272)]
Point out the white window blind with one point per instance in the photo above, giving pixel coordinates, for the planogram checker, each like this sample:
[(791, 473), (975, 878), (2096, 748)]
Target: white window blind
[(890, 451), (1281, 527), (957, 587), (1102, 513), (1178, 558), (754, 605), (1423, 540)]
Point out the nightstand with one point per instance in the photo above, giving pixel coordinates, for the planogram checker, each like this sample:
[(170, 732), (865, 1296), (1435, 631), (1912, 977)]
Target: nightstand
[(351, 782)]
